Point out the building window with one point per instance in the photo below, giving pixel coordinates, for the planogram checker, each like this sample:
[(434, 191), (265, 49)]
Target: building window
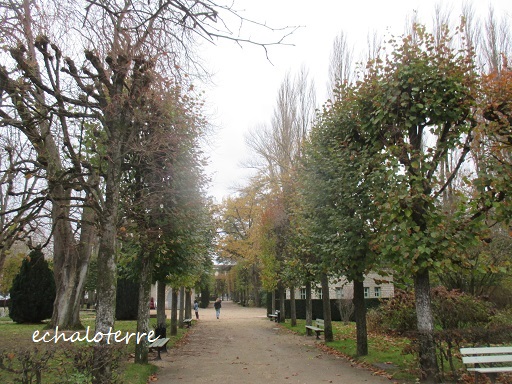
[(303, 293), (320, 293), (339, 293), (377, 291), (366, 292)]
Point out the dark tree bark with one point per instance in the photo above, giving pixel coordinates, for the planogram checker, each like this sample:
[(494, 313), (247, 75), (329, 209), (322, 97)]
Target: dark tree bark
[(282, 299), (256, 286), (160, 303), (141, 349), (293, 308), (327, 308), (309, 304), (181, 307), (360, 317), (174, 312), (188, 303)]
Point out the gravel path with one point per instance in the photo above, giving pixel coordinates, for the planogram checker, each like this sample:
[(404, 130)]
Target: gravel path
[(243, 346)]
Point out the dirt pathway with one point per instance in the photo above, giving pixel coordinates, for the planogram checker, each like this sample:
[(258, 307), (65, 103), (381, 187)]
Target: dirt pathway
[(243, 346)]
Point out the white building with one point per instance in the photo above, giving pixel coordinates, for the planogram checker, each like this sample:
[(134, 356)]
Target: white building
[(375, 287)]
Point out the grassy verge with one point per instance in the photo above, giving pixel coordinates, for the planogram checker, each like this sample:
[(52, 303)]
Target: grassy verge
[(67, 362), (386, 354)]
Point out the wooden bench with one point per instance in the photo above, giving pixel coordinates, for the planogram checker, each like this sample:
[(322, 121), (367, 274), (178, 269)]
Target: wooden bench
[(187, 323), (159, 344), (318, 328), (488, 360), (274, 316)]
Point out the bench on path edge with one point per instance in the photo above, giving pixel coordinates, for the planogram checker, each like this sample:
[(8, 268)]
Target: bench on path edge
[(187, 323), (159, 344), (488, 356), (274, 316), (318, 328)]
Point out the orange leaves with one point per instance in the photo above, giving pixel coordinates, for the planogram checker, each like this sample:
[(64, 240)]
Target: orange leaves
[(497, 92)]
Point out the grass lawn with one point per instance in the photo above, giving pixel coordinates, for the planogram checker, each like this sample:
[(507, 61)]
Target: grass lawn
[(68, 361), (385, 353)]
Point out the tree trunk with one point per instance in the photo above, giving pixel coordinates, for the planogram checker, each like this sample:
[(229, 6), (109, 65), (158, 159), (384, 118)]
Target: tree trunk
[(174, 312), (256, 287), (70, 259), (71, 264), (188, 303), (309, 304), (360, 317), (181, 307), (293, 308), (273, 301), (106, 303), (160, 303), (107, 276), (282, 307), (427, 351), (141, 349), (106, 286), (326, 303)]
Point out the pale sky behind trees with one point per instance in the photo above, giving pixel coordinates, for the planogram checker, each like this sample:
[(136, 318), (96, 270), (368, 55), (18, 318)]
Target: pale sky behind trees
[(245, 82)]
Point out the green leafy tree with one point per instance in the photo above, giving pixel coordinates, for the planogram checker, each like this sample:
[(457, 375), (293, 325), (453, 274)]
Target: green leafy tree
[(341, 175), (10, 269), (33, 290), (418, 106)]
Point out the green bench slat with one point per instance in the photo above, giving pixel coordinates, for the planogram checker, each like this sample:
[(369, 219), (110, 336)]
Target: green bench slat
[(159, 343)]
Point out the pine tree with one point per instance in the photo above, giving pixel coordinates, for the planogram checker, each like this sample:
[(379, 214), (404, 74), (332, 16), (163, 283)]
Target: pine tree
[(33, 290)]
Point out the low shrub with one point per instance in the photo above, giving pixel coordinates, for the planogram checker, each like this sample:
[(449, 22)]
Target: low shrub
[(26, 365), (396, 315), (454, 309), (461, 320)]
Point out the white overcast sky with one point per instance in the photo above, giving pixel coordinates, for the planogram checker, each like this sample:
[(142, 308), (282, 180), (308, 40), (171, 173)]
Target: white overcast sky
[(245, 82)]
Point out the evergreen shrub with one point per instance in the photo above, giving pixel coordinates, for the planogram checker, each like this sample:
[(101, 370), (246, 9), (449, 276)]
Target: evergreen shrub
[(127, 299), (33, 290)]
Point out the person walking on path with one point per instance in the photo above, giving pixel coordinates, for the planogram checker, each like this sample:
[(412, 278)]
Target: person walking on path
[(196, 309), (217, 305)]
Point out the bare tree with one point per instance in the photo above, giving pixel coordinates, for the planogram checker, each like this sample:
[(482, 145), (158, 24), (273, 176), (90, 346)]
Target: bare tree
[(279, 146), (341, 66), (374, 44), (29, 109), (21, 201), (496, 42), (127, 45)]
